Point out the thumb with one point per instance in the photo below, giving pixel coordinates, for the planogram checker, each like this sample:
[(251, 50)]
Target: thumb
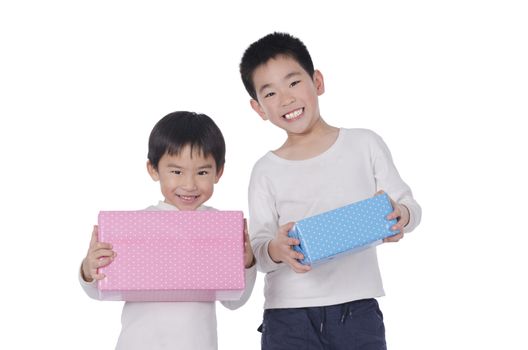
[(284, 229), (379, 192), (246, 233), (94, 236)]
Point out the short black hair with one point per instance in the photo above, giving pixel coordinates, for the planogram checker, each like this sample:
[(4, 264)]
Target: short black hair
[(268, 47), (179, 129)]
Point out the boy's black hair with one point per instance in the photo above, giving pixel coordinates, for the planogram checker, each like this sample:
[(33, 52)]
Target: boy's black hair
[(268, 47), (179, 129)]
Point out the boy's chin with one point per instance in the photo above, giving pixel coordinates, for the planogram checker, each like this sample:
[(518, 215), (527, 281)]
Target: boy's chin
[(185, 206)]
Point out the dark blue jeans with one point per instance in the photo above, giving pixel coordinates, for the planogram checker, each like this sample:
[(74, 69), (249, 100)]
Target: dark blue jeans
[(354, 325)]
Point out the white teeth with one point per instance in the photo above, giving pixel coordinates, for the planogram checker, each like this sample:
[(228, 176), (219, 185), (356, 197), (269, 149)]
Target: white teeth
[(187, 198), (293, 114)]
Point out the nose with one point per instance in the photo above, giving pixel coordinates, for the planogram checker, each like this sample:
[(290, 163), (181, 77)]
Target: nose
[(189, 183), (287, 99)]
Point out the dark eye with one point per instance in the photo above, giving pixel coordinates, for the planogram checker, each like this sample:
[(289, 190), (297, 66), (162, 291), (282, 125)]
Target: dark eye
[(203, 172), (295, 83), (269, 94), (176, 172)]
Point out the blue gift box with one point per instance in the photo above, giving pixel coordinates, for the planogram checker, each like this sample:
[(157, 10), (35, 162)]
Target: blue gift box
[(346, 229)]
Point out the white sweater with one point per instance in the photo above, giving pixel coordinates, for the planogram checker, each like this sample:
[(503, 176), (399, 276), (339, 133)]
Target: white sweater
[(171, 325), (356, 166)]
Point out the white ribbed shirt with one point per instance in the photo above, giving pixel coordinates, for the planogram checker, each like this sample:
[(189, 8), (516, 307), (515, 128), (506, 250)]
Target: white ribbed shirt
[(171, 325), (354, 168)]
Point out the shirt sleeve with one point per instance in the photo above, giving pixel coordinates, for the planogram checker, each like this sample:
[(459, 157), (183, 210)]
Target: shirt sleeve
[(250, 276), (90, 288), (263, 221), (388, 179)]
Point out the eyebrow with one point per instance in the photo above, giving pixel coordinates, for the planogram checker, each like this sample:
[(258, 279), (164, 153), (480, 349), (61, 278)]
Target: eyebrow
[(288, 76), (173, 165)]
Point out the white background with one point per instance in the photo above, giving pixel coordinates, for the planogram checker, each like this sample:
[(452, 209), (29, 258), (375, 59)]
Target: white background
[(445, 83)]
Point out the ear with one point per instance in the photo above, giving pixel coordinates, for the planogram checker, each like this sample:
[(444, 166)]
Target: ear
[(152, 171), (257, 108), (219, 174), (318, 82)]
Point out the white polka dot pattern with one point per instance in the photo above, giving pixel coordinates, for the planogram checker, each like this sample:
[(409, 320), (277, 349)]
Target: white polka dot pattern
[(344, 229), (173, 255)]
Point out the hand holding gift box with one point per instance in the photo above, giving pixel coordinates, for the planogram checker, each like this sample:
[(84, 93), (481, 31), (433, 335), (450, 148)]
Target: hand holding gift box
[(344, 230), (173, 255)]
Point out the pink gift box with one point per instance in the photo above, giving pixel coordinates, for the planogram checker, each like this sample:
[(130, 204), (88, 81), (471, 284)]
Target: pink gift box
[(173, 255)]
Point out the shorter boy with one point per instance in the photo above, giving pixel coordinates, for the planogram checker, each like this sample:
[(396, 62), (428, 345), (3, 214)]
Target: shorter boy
[(186, 155)]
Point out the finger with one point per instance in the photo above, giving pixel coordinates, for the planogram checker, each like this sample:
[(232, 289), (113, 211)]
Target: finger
[(98, 276), (247, 245), (379, 192), (246, 236), (248, 250), (94, 265), (97, 262), (246, 240), (101, 245), (298, 267), (292, 241), (397, 237), (103, 253), (94, 274), (296, 255), (394, 238), (102, 262), (396, 213), (400, 221), (397, 227), (284, 229), (93, 240)]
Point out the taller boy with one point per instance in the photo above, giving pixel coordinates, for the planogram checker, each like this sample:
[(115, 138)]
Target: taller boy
[(318, 168)]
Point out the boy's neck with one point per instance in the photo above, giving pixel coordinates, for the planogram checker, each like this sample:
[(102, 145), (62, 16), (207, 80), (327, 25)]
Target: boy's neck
[(309, 144)]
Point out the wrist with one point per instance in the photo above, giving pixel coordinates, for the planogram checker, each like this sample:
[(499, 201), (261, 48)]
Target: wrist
[(85, 275), (271, 251), (407, 216), (252, 263)]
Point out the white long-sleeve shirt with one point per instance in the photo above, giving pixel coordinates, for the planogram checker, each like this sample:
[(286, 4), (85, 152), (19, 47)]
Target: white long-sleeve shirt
[(354, 168), (171, 325)]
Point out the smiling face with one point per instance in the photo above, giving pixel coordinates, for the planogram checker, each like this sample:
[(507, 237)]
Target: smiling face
[(187, 179), (287, 96)]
